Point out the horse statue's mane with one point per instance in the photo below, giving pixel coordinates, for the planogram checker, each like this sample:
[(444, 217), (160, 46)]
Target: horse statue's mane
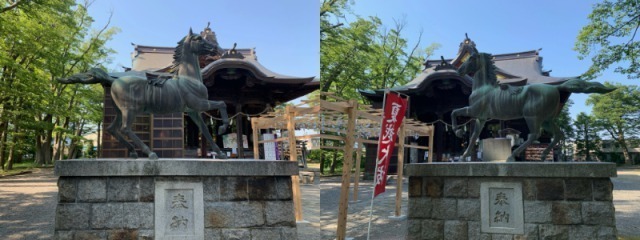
[(177, 53), (490, 76)]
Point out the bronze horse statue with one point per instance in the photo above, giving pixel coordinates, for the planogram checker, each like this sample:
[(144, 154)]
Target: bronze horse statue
[(185, 92), (538, 104)]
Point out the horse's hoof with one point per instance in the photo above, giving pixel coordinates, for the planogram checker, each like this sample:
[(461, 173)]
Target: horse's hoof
[(221, 156), (153, 156), (133, 155), (511, 159)]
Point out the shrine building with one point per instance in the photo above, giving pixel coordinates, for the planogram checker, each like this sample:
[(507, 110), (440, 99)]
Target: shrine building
[(234, 76), (439, 89)]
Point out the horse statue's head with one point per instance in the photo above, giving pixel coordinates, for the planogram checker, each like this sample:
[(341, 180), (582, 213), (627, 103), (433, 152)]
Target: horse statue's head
[(194, 44), (481, 66)]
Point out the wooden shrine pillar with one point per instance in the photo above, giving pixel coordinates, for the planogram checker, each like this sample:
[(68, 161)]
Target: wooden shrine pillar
[(401, 138), (239, 128), (356, 180), (295, 179), (351, 111), (256, 137)]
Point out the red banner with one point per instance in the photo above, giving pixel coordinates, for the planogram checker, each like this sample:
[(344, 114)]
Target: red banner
[(394, 111)]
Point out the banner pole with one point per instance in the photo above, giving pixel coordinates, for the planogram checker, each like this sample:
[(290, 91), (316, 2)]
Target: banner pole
[(375, 170), (371, 208)]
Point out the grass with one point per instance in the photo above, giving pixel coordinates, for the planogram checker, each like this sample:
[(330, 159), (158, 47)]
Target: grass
[(18, 168)]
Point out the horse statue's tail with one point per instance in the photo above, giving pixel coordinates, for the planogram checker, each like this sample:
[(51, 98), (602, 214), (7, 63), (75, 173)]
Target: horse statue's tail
[(577, 85), (94, 75)]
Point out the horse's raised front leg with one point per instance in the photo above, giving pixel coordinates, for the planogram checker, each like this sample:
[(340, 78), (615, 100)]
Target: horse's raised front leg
[(558, 136), (127, 118), (454, 120), (203, 105), (477, 129), (197, 118), (114, 130)]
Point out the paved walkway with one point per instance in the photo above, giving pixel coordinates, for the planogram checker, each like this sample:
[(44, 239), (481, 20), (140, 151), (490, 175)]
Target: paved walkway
[(626, 198), (28, 205), (382, 227)]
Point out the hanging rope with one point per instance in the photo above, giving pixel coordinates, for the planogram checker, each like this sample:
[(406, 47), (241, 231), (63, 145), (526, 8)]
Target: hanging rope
[(451, 125), (266, 109)]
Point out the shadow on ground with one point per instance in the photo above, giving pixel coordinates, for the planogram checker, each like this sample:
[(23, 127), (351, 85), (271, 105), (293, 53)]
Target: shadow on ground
[(27, 204)]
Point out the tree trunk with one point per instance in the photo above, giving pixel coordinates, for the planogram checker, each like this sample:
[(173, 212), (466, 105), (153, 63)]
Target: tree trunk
[(73, 147), (39, 158), (334, 162), (625, 151), (3, 142), (58, 144), (12, 151), (46, 147), (322, 160), (586, 140)]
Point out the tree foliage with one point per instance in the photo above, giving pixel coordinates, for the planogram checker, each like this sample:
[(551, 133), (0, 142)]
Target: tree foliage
[(364, 53), (610, 38), (39, 42), (617, 113), (565, 124), (587, 139)]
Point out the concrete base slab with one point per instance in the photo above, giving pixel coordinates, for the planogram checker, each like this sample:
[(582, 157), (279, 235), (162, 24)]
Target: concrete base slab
[(394, 217)]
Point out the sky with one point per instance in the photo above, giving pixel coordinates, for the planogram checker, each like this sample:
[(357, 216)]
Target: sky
[(284, 33), (498, 26)]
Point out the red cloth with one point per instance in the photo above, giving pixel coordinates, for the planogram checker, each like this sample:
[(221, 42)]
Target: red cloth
[(394, 110)]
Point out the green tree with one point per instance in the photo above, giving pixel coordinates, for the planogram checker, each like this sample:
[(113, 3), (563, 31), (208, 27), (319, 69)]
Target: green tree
[(564, 122), (587, 139), (610, 38), (39, 42), (8, 5), (617, 113), (364, 53)]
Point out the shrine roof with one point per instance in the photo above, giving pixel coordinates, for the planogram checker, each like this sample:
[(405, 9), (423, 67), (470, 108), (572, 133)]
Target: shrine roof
[(246, 52), (517, 68), (257, 69)]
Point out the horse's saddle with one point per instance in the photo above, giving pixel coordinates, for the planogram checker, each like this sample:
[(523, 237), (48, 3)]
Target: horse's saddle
[(512, 90), (157, 79)]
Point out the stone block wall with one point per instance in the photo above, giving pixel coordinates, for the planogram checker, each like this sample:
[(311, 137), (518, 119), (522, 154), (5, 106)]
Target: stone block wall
[(122, 207), (446, 203)]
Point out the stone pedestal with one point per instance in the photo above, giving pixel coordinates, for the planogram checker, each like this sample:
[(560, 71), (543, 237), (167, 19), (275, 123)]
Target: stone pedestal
[(511, 201), (496, 149), (175, 199)]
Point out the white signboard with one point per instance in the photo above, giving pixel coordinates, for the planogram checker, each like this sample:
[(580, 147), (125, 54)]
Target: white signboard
[(270, 148), (231, 141)]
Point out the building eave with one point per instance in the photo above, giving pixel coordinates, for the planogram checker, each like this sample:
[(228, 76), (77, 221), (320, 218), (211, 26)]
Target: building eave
[(258, 70)]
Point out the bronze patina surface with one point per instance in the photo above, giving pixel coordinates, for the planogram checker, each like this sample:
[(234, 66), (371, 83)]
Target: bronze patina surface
[(134, 94)]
